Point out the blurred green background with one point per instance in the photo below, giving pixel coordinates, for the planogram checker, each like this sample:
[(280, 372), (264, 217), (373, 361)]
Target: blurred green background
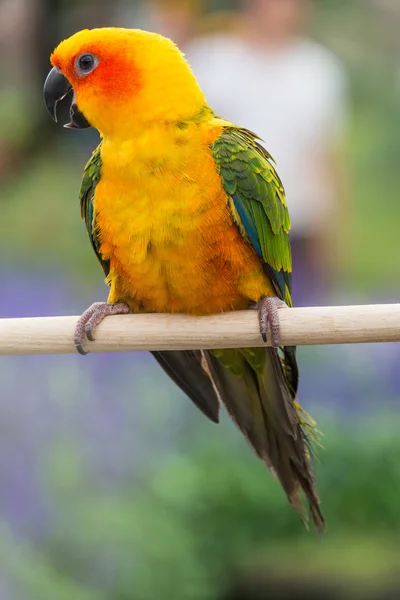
[(112, 486)]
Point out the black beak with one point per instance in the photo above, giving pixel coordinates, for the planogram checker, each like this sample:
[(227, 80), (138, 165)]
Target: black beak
[(56, 87)]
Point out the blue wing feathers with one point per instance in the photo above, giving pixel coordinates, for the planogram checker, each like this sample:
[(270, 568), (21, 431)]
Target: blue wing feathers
[(248, 225)]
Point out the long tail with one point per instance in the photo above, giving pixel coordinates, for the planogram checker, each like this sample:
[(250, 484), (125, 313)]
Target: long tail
[(189, 370), (258, 389)]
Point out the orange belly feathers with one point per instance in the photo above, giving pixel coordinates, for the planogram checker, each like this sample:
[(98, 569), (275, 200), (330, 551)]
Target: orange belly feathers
[(166, 228)]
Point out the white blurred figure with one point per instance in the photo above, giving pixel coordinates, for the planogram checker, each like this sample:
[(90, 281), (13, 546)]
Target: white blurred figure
[(271, 78)]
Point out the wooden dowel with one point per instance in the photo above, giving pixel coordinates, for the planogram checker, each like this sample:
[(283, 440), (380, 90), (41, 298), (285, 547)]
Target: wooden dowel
[(299, 326)]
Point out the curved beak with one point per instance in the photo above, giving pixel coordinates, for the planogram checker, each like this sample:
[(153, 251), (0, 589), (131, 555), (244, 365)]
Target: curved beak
[(56, 87)]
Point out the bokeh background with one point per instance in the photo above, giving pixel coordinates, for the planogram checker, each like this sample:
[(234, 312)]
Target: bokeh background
[(112, 486)]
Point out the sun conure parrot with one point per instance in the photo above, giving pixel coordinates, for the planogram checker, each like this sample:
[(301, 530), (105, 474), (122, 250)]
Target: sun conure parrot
[(186, 214)]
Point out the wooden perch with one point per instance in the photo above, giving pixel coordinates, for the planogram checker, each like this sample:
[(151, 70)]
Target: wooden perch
[(299, 326)]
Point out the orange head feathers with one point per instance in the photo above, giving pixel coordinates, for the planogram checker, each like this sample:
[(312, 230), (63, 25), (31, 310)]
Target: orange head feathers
[(124, 79)]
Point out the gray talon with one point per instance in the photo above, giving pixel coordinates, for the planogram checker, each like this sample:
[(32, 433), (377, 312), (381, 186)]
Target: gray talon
[(268, 315), (80, 349), (92, 317), (89, 334)]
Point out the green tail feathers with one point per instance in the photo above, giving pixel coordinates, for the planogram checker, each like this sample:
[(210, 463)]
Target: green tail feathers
[(258, 388)]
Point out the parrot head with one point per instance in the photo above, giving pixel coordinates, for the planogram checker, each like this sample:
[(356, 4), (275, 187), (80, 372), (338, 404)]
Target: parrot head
[(122, 80)]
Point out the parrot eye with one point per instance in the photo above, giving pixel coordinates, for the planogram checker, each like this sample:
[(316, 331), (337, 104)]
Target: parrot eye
[(85, 63)]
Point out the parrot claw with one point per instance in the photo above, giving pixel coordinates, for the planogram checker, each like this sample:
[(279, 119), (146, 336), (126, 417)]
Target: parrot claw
[(80, 349), (268, 314), (91, 318)]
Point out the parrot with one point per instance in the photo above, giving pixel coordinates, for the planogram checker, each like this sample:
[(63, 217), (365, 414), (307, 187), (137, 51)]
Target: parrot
[(186, 213)]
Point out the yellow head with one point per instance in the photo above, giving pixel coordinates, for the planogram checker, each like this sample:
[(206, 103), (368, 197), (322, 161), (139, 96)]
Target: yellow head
[(123, 80)]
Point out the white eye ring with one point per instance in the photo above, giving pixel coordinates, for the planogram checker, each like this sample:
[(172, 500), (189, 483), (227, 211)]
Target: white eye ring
[(86, 63)]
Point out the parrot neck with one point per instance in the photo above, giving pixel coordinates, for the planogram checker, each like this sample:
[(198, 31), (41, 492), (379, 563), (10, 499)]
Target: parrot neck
[(164, 123), (119, 118), (159, 147)]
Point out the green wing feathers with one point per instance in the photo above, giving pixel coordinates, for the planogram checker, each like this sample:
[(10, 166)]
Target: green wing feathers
[(257, 202), (90, 179)]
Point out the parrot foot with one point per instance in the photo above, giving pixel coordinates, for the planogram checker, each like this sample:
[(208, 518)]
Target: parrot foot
[(92, 317), (268, 315)]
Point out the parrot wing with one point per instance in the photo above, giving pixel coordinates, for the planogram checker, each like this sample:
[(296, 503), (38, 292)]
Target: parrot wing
[(257, 202), (90, 179), (258, 385)]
